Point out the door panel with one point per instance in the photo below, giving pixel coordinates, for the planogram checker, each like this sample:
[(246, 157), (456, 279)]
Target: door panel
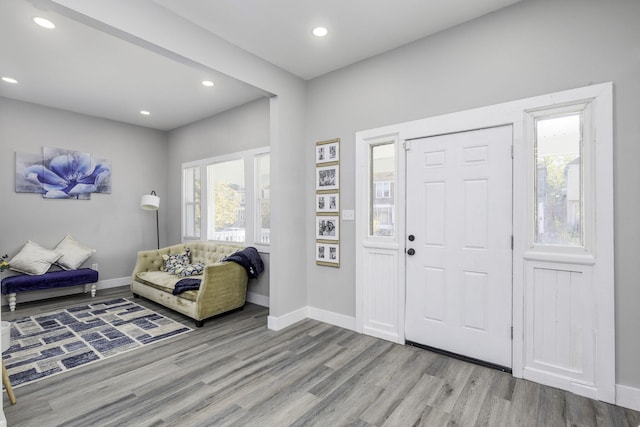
[(459, 209)]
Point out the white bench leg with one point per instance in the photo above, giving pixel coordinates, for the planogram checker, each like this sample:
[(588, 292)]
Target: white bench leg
[(93, 290), (12, 302)]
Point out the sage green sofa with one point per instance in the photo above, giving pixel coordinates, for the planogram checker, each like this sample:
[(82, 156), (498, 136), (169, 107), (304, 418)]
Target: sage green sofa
[(223, 287)]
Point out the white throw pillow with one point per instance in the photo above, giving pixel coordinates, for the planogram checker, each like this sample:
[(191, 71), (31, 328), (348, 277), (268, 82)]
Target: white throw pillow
[(74, 254), (33, 259)]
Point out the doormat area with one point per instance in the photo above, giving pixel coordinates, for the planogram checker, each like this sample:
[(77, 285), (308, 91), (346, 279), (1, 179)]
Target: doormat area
[(52, 343)]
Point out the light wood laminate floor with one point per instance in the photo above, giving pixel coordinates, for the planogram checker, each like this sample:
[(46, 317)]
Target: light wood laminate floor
[(236, 372)]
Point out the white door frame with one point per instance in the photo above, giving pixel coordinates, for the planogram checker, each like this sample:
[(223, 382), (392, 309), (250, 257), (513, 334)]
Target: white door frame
[(390, 324)]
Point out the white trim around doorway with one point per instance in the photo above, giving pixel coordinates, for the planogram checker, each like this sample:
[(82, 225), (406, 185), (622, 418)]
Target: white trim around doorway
[(386, 256)]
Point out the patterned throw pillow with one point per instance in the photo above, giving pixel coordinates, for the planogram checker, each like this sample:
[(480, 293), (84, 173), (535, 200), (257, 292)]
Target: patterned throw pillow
[(177, 261), (190, 270)]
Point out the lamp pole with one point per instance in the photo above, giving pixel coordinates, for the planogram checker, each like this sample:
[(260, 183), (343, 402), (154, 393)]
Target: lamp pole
[(158, 228), (152, 202)]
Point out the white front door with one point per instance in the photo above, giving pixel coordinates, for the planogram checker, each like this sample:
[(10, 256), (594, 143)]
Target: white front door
[(459, 212)]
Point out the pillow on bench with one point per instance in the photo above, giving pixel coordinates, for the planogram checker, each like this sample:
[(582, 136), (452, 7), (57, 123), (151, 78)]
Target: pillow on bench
[(33, 259), (73, 253)]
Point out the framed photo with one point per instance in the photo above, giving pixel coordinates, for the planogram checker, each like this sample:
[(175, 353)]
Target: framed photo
[(327, 227), (328, 177), (328, 202), (328, 151), (328, 254)]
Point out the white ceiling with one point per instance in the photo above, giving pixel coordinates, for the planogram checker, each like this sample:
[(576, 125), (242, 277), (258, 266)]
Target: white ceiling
[(81, 69), (78, 68), (279, 31)]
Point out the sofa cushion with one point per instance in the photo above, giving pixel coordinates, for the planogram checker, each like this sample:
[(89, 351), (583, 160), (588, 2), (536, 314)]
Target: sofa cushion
[(164, 282), (190, 270), (52, 279), (176, 262)]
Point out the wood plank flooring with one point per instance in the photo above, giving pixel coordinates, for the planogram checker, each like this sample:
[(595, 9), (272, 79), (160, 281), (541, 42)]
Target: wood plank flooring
[(236, 372)]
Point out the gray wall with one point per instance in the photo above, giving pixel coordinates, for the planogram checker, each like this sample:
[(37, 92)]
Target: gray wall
[(240, 129), (131, 20), (531, 48), (113, 224)]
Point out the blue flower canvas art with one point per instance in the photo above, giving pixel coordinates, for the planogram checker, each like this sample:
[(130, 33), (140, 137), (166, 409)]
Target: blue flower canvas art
[(62, 174)]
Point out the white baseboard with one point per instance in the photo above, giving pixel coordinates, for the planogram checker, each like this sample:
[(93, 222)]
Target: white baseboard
[(629, 397), (277, 323), (258, 299), (336, 319), (114, 283)]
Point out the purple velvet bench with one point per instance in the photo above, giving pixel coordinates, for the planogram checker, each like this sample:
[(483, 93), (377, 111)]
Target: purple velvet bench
[(53, 279)]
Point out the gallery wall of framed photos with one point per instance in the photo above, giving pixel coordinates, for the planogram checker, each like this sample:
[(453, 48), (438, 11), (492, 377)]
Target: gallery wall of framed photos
[(327, 224)]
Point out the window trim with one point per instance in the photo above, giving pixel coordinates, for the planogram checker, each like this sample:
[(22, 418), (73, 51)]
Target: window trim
[(185, 204), (250, 200), (385, 187), (257, 199), (371, 196), (587, 190)]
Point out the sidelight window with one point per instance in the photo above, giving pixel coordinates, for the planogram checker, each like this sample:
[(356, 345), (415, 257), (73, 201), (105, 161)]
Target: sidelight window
[(559, 212), (562, 186), (382, 199)]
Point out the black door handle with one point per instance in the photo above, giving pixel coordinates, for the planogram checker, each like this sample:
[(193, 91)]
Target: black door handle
[(411, 251)]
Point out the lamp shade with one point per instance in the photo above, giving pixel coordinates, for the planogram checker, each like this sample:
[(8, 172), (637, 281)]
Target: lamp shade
[(150, 202)]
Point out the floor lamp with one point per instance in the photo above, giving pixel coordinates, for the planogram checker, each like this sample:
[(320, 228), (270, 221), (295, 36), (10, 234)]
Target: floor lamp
[(151, 202)]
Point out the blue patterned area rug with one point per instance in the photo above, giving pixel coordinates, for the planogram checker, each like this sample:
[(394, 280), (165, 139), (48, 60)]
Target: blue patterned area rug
[(53, 343)]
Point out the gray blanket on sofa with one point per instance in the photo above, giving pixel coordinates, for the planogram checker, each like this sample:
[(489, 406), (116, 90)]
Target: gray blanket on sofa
[(250, 259), (184, 285)]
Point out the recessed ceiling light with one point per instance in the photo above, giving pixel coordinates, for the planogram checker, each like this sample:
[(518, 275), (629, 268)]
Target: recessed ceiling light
[(145, 113), (44, 23), (9, 80), (207, 83), (320, 31)]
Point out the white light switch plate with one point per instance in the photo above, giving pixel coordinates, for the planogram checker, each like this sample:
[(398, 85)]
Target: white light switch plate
[(348, 215)]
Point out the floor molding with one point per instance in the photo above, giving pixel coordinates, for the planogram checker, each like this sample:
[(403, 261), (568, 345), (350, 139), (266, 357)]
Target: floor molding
[(628, 397), (335, 319), (277, 323), (258, 299)]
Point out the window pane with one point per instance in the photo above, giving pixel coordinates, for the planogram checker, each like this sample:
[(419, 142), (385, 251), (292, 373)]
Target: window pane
[(263, 196), (191, 194), (226, 202), (383, 176), (559, 180)]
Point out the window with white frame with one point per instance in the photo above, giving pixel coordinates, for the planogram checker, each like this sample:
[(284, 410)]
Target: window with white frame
[(226, 202), (226, 198), (560, 139), (191, 197), (263, 198), (382, 174), (383, 190)]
